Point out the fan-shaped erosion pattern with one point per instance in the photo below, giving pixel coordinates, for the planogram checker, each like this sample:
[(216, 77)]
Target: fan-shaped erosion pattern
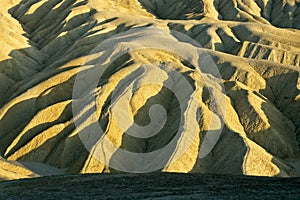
[(90, 86)]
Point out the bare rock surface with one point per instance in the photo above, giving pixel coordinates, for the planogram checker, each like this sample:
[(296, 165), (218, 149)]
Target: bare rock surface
[(90, 86)]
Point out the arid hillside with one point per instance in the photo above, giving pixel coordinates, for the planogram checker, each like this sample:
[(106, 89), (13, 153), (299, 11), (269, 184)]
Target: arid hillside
[(200, 86)]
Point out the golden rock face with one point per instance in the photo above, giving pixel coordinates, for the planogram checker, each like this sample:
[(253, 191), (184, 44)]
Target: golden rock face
[(146, 85)]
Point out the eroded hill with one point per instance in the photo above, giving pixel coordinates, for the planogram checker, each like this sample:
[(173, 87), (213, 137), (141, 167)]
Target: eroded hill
[(81, 81)]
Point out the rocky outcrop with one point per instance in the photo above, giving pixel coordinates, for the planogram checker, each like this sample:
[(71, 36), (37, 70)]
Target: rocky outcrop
[(144, 85)]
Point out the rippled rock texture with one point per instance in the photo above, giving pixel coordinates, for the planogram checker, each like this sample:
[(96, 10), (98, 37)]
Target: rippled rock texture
[(90, 86)]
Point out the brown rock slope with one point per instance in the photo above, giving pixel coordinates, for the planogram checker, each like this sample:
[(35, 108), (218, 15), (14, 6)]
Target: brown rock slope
[(239, 113)]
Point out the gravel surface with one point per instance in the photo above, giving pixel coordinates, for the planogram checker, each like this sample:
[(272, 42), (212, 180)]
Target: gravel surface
[(151, 186)]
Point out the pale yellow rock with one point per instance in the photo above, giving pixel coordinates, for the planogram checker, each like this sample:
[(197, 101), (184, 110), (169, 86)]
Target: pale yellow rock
[(239, 113)]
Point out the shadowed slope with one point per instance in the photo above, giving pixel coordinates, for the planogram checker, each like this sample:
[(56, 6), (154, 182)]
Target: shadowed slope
[(53, 41), (173, 186)]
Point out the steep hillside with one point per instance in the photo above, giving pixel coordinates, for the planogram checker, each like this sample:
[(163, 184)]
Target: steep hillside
[(92, 86)]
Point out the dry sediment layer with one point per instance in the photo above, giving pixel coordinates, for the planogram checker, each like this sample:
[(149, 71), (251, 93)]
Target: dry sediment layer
[(254, 45)]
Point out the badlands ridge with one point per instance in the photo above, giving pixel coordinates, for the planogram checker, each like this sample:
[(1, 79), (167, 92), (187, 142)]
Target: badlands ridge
[(174, 85)]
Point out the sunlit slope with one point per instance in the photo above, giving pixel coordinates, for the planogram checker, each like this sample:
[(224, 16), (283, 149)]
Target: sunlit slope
[(253, 100)]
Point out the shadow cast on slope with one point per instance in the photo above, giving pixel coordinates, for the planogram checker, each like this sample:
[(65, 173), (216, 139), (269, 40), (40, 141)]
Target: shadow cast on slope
[(166, 140), (175, 10)]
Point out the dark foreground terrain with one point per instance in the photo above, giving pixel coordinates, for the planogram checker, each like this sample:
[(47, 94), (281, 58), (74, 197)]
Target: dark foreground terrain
[(151, 186)]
